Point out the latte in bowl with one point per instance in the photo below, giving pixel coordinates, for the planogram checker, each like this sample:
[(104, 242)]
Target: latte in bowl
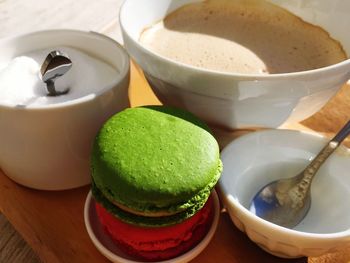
[(236, 37), (238, 63)]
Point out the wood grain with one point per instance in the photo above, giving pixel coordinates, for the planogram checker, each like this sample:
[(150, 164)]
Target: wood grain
[(51, 222), (12, 247), (333, 115)]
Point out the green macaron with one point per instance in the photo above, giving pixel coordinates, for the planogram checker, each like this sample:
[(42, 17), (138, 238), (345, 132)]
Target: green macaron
[(154, 165)]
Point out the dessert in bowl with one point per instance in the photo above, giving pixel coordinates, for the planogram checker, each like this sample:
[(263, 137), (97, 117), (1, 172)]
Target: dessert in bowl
[(153, 170), (254, 160), (232, 98), (108, 247)]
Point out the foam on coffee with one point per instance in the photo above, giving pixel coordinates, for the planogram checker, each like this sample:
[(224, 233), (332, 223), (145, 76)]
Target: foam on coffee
[(242, 36)]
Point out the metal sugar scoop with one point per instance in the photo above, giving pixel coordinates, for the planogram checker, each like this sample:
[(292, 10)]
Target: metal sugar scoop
[(55, 65)]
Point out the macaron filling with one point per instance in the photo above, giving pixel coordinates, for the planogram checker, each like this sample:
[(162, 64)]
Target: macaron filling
[(193, 204), (139, 220)]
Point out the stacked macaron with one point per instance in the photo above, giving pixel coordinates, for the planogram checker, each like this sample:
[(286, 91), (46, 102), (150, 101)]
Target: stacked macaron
[(153, 169)]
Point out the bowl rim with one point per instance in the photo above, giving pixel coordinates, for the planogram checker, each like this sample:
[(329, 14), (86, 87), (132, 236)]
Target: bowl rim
[(198, 70), (268, 226), (187, 256), (123, 72)]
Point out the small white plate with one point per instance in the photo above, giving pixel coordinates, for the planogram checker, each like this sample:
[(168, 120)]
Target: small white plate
[(110, 250)]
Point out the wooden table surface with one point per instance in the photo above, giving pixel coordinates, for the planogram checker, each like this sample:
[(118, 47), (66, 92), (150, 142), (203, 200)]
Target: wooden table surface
[(52, 222)]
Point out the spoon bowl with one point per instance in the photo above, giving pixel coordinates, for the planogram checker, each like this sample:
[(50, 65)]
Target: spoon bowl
[(266, 203), (55, 65)]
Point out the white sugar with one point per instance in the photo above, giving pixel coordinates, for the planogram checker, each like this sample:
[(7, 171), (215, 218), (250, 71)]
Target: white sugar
[(20, 83)]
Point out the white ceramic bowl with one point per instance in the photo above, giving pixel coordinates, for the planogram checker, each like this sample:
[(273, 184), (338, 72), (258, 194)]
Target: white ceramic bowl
[(239, 100), (107, 247), (48, 146), (253, 160)]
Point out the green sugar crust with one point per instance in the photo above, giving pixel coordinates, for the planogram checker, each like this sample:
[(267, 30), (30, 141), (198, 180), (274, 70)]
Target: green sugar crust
[(156, 158)]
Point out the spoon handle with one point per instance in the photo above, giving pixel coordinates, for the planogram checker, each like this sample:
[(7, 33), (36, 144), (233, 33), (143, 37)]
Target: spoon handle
[(342, 134), (316, 163), (330, 147)]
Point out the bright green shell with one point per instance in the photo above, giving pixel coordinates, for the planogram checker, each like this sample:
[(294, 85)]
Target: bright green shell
[(156, 159)]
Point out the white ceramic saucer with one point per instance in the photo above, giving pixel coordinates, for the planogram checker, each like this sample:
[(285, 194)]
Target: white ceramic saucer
[(107, 247)]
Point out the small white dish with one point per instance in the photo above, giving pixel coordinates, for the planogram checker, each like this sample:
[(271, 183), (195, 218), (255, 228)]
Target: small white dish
[(48, 146), (107, 247), (253, 160)]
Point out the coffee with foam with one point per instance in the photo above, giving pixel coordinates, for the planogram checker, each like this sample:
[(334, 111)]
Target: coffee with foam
[(249, 37)]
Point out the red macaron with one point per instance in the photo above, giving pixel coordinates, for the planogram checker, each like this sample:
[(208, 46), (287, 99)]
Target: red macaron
[(157, 243)]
